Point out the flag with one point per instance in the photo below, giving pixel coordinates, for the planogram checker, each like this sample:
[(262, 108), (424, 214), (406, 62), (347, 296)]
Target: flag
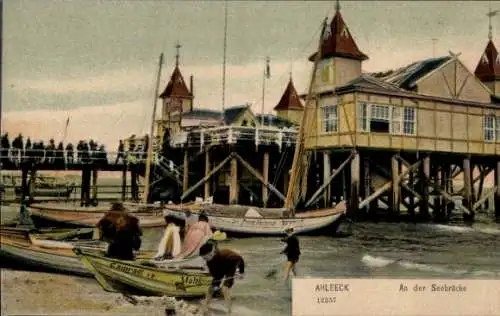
[(268, 69)]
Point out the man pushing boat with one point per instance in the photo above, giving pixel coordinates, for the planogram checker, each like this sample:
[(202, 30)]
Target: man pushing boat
[(223, 265)]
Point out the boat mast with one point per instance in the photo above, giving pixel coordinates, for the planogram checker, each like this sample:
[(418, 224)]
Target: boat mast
[(224, 64), (298, 164), (151, 138)]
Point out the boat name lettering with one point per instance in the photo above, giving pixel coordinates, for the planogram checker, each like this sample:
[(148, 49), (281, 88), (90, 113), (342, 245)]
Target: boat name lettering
[(191, 280), (132, 270)]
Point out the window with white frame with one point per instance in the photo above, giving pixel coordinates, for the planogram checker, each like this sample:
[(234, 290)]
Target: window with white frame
[(497, 128), (396, 120), (489, 128), (363, 117), (409, 120), (382, 118), (330, 118)]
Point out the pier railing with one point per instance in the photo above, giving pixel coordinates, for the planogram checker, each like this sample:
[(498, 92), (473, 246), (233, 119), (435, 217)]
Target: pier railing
[(233, 134), (63, 158)]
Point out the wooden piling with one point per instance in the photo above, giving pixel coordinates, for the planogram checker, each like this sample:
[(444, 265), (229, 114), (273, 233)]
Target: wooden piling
[(396, 193), (424, 187), (265, 174), (95, 173), (354, 186), (327, 170), (233, 187), (133, 183), (468, 200), (124, 181), (207, 172), (185, 178), (497, 193)]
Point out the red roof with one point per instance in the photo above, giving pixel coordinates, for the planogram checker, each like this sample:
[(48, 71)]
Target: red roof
[(338, 41), (290, 99), (488, 67), (176, 87)]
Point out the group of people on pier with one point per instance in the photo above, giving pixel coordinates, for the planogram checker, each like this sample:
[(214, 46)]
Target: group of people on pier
[(60, 155)]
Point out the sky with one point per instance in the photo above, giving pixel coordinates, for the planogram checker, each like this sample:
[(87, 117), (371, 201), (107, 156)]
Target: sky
[(96, 61)]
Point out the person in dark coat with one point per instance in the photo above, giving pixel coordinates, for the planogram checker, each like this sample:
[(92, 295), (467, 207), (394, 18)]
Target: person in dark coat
[(292, 252), (222, 264), (121, 231), (69, 153)]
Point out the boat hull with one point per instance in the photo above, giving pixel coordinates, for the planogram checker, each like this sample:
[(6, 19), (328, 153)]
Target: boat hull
[(307, 223), (56, 260), (47, 216), (131, 277), (43, 251)]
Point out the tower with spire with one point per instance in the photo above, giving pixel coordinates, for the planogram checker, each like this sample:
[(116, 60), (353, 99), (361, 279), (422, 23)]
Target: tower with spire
[(341, 59), (488, 67), (176, 96), (290, 107)]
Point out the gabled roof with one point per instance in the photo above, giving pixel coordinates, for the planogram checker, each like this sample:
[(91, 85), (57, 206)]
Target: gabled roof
[(230, 114), (176, 86), (204, 113), (367, 81), (289, 100), (407, 76), (338, 41), (488, 67)]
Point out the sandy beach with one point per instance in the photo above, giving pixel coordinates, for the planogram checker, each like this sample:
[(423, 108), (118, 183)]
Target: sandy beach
[(26, 293)]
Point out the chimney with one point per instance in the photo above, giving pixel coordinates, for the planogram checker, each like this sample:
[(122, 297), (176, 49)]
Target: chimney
[(191, 84)]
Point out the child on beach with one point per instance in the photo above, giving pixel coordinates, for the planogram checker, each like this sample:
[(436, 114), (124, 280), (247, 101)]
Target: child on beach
[(292, 252)]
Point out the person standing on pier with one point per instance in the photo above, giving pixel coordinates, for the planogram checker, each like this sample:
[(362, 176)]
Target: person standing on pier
[(292, 252), (121, 152)]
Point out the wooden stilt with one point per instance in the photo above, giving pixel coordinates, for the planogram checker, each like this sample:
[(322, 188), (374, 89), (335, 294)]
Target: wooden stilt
[(437, 210), (424, 187), (327, 169), (411, 197), (468, 197), (133, 182), (185, 177), (367, 184), (207, 172), (497, 195), (187, 192), (353, 205), (396, 194), (265, 175), (95, 175), (233, 187), (124, 181)]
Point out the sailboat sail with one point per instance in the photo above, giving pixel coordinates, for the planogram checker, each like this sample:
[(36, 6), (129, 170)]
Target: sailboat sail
[(301, 159)]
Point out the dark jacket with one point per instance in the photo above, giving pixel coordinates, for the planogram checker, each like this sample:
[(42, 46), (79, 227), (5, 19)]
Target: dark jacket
[(292, 250)]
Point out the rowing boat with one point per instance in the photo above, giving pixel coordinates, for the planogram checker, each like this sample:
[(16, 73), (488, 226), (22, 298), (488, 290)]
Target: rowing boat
[(44, 214), (249, 220), (48, 249), (180, 280)]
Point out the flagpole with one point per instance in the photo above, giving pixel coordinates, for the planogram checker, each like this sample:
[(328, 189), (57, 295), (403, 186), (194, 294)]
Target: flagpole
[(266, 75)]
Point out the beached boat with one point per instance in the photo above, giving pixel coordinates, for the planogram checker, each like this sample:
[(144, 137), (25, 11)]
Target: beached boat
[(143, 277), (60, 191), (51, 249), (249, 220), (47, 214)]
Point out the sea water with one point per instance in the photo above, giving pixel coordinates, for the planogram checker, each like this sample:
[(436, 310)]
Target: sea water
[(374, 250)]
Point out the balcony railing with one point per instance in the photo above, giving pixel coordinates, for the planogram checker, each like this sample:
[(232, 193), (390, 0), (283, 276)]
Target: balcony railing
[(234, 134)]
